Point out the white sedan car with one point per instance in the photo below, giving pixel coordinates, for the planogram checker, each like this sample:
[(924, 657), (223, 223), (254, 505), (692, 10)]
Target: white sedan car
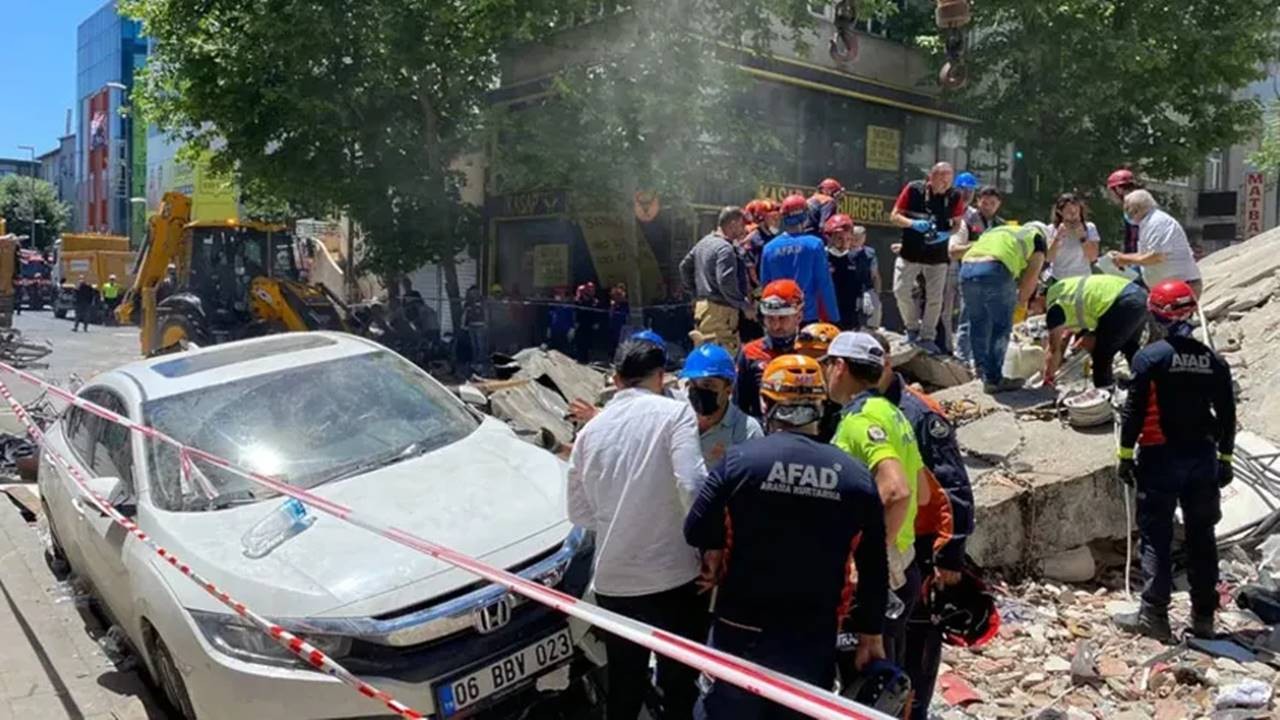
[(357, 424)]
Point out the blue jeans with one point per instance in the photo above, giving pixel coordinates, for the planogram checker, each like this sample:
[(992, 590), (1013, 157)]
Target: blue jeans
[(989, 297)]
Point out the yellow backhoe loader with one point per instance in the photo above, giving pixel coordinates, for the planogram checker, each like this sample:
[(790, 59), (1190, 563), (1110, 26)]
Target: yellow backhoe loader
[(229, 280)]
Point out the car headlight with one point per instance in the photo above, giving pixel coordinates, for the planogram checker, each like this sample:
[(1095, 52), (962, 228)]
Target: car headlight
[(237, 638)]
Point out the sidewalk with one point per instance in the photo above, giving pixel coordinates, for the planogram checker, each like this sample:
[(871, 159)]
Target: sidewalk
[(50, 666)]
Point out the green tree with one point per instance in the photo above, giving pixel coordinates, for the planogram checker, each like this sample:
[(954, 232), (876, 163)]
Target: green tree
[(1267, 158), (52, 215), (340, 107), (1084, 86)]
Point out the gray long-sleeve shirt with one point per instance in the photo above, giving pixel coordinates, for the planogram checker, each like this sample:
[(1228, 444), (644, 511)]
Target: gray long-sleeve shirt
[(713, 271)]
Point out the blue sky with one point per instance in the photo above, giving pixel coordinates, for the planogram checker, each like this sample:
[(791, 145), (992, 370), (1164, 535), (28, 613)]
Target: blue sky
[(38, 72)]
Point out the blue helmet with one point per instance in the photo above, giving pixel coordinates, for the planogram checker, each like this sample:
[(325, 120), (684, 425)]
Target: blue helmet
[(966, 181), (649, 336), (707, 361)]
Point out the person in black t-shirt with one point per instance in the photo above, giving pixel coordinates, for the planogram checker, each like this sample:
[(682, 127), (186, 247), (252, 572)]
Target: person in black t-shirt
[(928, 211)]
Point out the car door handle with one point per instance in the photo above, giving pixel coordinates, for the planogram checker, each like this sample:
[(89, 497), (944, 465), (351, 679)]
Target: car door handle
[(84, 508)]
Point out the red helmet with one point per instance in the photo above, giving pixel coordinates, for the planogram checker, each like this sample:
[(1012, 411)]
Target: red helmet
[(1123, 176), (794, 205), (830, 186), (838, 223), (781, 297), (1172, 301)]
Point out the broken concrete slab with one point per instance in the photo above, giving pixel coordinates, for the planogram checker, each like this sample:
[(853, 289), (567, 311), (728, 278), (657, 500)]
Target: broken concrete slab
[(530, 408), (573, 380), (994, 438)]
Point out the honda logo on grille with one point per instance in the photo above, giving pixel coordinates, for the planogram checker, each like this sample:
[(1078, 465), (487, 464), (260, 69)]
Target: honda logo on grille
[(493, 616)]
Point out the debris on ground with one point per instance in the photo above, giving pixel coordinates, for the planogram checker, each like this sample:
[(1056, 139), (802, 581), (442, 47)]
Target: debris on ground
[(22, 353)]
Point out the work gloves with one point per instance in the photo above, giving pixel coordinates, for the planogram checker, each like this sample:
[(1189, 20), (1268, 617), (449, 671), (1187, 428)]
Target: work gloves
[(1127, 471), (1226, 473)]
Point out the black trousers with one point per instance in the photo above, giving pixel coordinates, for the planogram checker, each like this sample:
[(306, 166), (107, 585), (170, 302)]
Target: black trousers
[(806, 654), (681, 611), (1169, 476), (1119, 331), (82, 317), (895, 629), (924, 640)]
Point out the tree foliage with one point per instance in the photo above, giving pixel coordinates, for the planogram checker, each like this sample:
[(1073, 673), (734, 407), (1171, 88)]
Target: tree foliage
[(1084, 86), (1267, 158), (16, 194), (338, 106)]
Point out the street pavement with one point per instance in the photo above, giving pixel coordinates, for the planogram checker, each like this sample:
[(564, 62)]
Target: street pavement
[(51, 666)]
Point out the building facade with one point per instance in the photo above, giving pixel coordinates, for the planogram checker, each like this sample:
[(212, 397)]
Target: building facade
[(109, 52), (16, 166), (58, 168), (874, 124)]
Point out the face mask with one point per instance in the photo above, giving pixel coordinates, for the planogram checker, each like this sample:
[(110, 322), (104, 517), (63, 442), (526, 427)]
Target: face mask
[(837, 252), (705, 401), (1130, 220)]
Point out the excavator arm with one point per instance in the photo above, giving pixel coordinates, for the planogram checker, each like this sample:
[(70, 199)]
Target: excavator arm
[(164, 245)]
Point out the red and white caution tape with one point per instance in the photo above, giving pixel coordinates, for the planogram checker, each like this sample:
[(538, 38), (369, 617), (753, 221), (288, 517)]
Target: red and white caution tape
[(294, 644), (786, 691)]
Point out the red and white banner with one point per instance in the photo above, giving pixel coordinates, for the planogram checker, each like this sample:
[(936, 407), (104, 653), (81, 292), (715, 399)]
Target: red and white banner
[(786, 691)]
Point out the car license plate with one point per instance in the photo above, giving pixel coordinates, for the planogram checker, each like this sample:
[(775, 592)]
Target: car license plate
[(463, 692)]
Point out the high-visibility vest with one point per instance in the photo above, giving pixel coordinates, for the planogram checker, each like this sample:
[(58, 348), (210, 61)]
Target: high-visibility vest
[(1085, 299), (110, 290), (1012, 246)]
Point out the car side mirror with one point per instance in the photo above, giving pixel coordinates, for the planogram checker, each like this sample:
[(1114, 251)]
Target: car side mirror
[(116, 492)]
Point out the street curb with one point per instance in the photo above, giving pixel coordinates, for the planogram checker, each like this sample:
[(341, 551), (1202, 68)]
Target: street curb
[(70, 676)]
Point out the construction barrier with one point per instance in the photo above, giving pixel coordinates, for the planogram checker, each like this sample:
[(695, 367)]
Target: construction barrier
[(786, 691)]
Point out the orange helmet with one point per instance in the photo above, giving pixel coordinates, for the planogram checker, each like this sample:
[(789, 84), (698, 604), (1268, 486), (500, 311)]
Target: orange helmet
[(756, 210), (838, 223), (815, 337), (793, 380), (781, 297)]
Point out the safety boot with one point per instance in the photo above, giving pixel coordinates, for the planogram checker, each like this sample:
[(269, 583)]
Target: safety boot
[(1202, 626), (1146, 621)]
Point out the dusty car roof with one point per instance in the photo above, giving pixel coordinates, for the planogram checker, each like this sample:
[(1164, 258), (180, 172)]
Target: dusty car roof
[(175, 374)]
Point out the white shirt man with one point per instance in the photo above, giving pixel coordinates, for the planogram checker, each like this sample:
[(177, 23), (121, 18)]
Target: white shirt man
[(1163, 251)]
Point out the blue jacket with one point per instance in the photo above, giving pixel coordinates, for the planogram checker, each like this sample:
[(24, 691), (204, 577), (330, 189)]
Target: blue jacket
[(941, 454), (802, 258), (792, 514)]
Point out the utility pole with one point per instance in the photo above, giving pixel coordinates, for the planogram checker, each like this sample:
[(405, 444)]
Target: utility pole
[(31, 149)]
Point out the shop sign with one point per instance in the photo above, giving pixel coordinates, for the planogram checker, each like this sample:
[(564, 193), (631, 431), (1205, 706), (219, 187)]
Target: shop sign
[(865, 209), (1254, 205), (530, 204), (883, 147), (550, 265)]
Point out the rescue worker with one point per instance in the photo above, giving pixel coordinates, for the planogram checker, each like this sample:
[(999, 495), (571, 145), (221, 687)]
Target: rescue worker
[(823, 203), (876, 433), (853, 269), (168, 285), (84, 299), (781, 307), (800, 256), (765, 222), (952, 301), (1119, 184), (1108, 312), (714, 273), (1180, 415), (633, 474), (813, 342), (929, 212), (781, 520), (998, 275), (710, 373), (942, 526), (111, 297)]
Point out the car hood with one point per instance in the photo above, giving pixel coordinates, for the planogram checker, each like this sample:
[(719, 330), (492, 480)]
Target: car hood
[(490, 495)]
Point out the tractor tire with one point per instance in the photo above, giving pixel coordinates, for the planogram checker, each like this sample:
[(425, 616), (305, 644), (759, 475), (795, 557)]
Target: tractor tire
[(60, 313), (175, 332)]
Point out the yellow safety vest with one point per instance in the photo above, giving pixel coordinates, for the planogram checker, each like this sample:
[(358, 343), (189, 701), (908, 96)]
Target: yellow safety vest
[(1012, 246), (110, 290), (1084, 300)]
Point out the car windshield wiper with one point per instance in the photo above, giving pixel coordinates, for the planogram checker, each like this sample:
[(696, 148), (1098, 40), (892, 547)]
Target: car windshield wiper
[(413, 449)]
